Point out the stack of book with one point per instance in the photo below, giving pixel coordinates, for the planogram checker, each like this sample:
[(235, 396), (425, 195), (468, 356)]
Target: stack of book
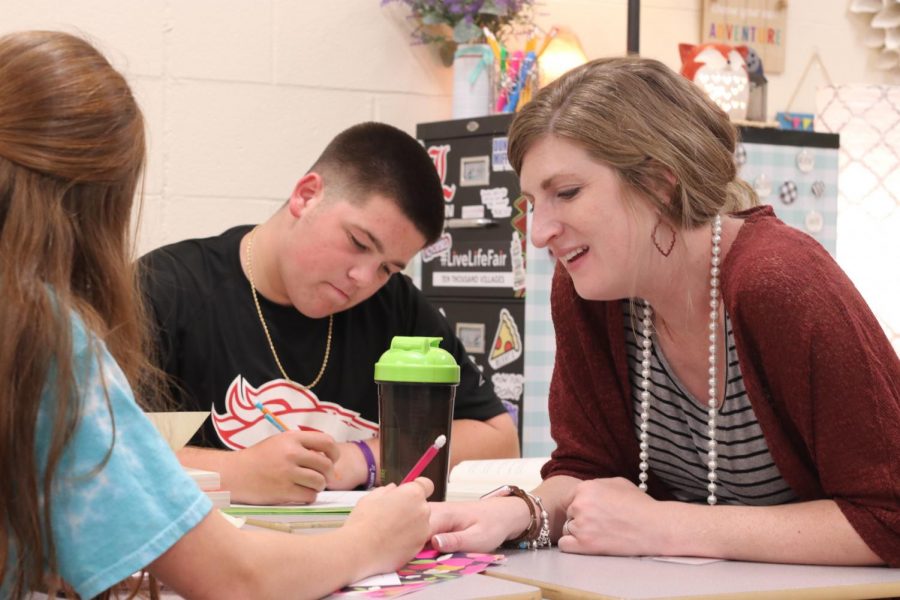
[(330, 510), (210, 484)]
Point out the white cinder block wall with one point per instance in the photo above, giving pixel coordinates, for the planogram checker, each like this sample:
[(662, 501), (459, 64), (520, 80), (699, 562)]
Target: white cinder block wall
[(240, 96)]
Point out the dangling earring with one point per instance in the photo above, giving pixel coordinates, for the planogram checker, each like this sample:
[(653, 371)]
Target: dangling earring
[(668, 250)]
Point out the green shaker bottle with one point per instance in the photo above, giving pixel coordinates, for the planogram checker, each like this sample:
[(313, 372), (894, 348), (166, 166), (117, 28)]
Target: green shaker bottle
[(417, 382)]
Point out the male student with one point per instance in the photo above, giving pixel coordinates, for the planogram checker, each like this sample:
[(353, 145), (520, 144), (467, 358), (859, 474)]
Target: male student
[(293, 314)]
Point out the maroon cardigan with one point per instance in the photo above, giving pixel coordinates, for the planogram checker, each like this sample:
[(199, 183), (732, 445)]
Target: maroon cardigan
[(820, 374)]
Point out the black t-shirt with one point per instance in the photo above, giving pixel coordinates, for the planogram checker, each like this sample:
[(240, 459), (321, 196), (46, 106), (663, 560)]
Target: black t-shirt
[(212, 344)]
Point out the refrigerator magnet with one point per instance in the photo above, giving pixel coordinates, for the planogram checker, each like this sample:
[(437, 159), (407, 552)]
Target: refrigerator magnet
[(507, 345), (438, 156), (472, 336), (806, 162), (497, 201), (499, 159), (814, 221), (441, 247), (818, 188), (762, 185), (508, 386), (474, 171), (473, 211), (788, 192), (518, 261)]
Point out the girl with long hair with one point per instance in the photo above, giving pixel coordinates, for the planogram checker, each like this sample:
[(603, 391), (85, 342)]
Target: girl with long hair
[(91, 493)]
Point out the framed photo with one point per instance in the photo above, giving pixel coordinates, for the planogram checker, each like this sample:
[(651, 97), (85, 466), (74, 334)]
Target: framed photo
[(472, 337), (474, 170)]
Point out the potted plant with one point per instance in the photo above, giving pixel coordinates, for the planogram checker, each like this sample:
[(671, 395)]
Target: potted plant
[(449, 23)]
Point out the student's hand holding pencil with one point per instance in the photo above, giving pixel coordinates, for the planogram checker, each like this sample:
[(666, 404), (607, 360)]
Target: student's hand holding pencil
[(390, 525), (288, 468)]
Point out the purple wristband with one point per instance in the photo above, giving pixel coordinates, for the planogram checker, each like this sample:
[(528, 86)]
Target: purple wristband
[(370, 463)]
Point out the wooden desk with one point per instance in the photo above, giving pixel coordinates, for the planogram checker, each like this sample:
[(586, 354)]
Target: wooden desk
[(561, 575)]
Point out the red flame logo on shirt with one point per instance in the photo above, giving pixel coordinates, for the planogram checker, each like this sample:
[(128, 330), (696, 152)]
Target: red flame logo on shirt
[(242, 424)]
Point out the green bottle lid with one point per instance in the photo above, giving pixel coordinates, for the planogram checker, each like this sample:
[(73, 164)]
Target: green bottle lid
[(417, 360)]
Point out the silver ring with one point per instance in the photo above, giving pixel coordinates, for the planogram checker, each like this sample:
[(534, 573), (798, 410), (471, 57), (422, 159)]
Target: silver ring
[(565, 529)]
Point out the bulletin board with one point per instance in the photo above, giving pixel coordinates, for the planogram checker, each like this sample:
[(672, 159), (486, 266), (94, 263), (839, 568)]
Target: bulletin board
[(799, 182), (760, 24)]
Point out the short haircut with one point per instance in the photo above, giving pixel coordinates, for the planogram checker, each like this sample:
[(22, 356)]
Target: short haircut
[(376, 158)]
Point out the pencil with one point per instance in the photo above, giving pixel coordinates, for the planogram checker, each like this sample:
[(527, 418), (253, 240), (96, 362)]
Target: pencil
[(280, 426), (271, 418), (492, 42), (547, 39), (423, 462), (288, 527)]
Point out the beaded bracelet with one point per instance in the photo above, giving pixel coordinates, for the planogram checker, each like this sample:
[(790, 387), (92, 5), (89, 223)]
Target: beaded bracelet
[(537, 534), (542, 539), (370, 463)]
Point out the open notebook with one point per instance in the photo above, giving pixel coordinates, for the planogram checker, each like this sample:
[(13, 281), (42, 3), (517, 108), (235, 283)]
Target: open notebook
[(470, 479), (329, 505)]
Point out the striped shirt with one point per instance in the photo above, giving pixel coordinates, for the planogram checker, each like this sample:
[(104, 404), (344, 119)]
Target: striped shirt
[(679, 433)]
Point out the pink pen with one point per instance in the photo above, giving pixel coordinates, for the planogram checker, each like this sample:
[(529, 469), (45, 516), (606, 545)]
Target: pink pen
[(426, 459), (512, 73)]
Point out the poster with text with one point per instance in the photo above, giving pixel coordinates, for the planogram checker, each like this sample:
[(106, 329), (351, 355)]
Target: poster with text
[(760, 24)]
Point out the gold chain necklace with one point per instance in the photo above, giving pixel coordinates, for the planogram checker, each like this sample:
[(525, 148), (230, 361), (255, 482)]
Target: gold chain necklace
[(266, 328)]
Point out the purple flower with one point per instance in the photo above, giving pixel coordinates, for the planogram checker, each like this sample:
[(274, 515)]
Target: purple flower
[(466, 18)]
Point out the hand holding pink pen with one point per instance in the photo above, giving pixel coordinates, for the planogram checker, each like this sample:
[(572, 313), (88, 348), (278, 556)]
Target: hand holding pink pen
[(426, 459)]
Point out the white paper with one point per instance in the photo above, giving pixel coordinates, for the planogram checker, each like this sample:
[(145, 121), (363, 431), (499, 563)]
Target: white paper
[(378, 580), (327, 499), (685, 560)]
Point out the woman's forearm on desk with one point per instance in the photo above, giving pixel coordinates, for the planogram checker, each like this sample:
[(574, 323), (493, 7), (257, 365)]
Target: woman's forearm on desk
[(814, 532)]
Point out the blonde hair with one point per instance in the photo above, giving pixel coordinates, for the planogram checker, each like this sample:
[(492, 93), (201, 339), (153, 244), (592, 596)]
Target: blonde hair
[(71, 154), (649, 124)]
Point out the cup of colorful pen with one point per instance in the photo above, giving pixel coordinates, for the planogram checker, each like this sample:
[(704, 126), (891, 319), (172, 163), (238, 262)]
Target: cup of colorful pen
[(517, 78)]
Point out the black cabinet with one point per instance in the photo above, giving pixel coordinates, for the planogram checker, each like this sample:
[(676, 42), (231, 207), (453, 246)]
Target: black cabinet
[(475, 274)]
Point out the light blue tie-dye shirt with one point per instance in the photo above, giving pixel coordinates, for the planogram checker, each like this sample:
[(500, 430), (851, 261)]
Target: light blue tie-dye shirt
[(110, 524)]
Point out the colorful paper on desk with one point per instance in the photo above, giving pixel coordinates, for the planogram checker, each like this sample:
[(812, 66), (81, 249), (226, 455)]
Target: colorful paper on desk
[(177, 428), (429, 566)]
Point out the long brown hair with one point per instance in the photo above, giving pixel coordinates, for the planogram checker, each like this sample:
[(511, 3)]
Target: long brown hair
[(71, 154), (645, 121)]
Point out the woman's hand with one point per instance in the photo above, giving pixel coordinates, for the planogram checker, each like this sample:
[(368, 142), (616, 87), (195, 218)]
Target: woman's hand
[(477, 526), (614, 517)]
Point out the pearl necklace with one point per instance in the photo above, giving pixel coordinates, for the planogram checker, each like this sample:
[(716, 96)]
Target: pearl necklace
[(712, 403)]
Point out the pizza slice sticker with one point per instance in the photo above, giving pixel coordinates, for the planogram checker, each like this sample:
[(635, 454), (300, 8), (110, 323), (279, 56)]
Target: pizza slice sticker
[(507, 346)]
